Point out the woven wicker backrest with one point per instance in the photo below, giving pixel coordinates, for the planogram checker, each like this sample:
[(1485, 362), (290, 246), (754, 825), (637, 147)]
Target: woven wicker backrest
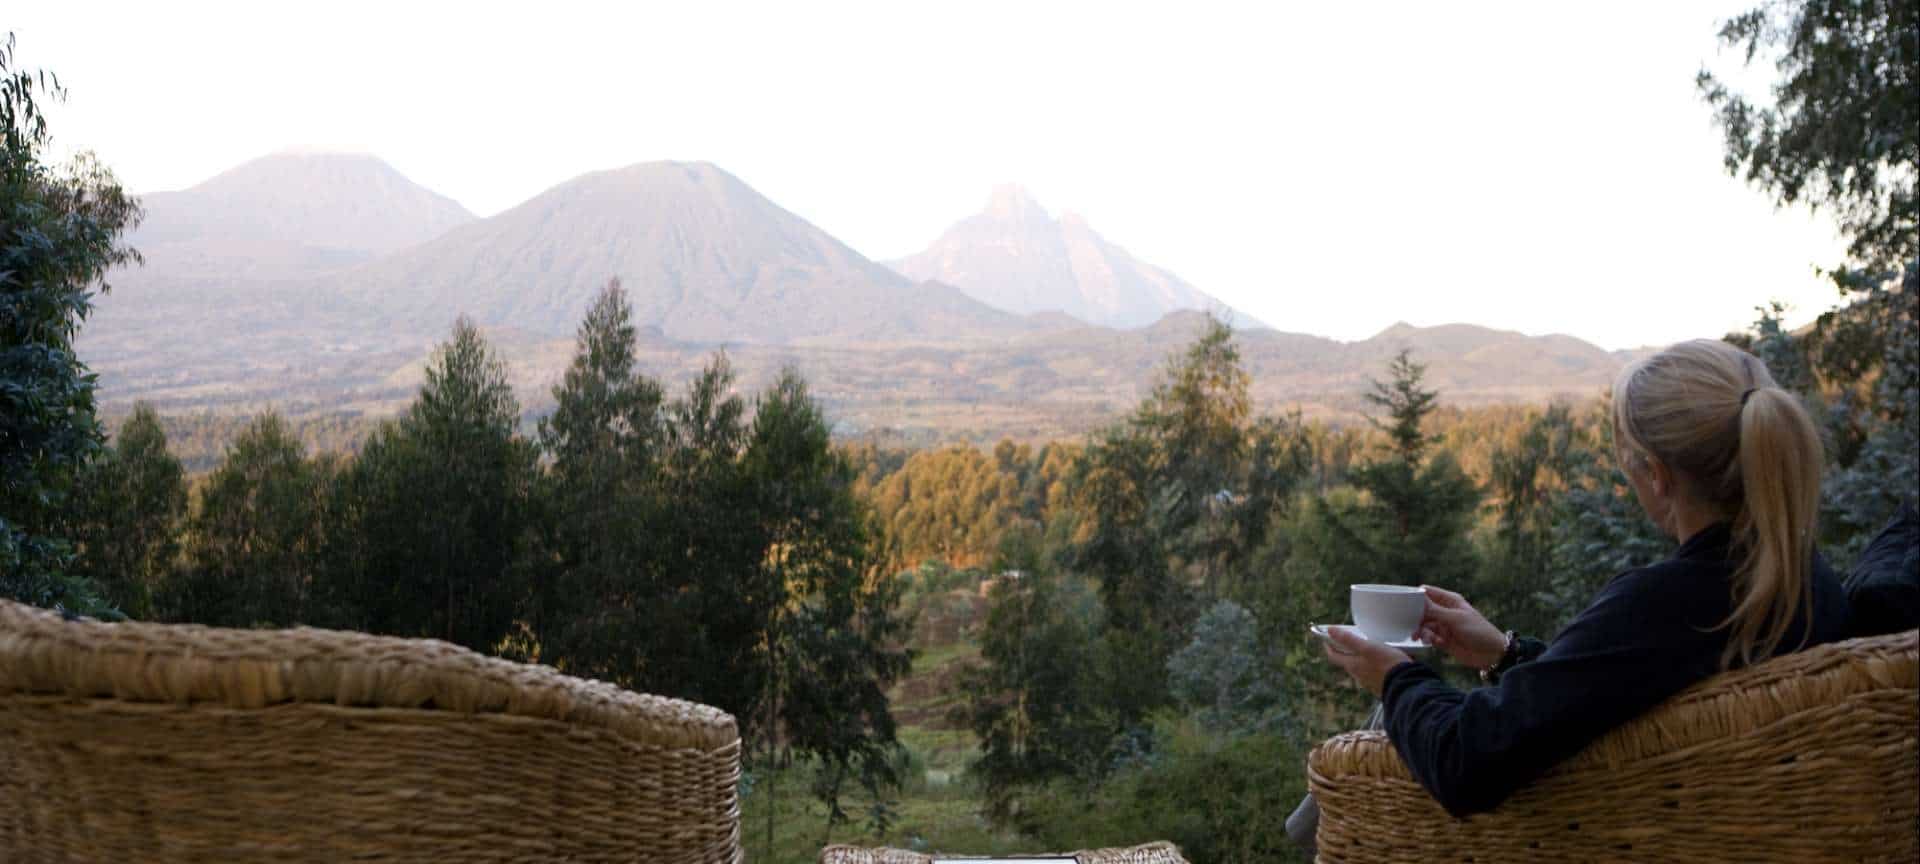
[(146, 742), (1808, 757)]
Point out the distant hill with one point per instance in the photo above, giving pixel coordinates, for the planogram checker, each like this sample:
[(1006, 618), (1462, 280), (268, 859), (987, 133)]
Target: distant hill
[(287, 215), (235, 313), (1015, 256), (703, 256)]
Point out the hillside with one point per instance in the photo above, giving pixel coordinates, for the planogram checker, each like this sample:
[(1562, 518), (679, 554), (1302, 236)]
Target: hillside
[(1015, 256), (239, 308), (704, 257), (289, 214)]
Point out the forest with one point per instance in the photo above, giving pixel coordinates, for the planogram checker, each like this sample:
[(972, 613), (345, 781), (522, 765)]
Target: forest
[(1118, 622)]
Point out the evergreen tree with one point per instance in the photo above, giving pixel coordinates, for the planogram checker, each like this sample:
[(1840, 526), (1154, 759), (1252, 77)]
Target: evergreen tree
[(60, 233), (604, 440), (712, 606), (1413, 523), (436, 524), (131, 502), (831, 625), (253, 540)]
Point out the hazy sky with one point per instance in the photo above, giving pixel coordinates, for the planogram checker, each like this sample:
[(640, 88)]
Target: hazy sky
[(1330, 168)]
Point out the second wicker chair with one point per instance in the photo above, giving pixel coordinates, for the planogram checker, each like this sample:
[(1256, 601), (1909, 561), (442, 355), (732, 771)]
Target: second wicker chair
[(154, 743), (1807, 757)]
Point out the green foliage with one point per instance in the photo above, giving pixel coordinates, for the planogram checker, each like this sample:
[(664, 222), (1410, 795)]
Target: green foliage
[(831, 626), (1599, 528), (254, 537), (1219, 798), (605, 440), (1406, 404), (127, 514), (1842, 133), (1515, 587), (434, 515), (1412, 522), (1171, 505), (1224, 674), (1842, 130), (1036, 703), (60, 233)]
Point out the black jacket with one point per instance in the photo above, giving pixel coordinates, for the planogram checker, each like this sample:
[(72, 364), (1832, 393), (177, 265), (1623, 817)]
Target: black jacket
[(1650, 633)]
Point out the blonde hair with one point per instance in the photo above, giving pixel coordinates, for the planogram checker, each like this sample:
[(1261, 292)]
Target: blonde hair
[(1741, 444)]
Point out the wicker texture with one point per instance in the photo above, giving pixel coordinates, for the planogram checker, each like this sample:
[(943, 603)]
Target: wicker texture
[(1808, 757), (145, 742), (1151, 853)]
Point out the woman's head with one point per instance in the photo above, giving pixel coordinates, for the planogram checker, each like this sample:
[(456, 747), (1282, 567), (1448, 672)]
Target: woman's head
[(1708, 419)]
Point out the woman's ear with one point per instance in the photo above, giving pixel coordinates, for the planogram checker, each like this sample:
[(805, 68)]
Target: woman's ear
[(1661, 477)]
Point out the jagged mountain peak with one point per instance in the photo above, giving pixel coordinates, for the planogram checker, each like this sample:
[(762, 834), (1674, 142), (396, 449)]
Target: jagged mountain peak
[(1014, 256)]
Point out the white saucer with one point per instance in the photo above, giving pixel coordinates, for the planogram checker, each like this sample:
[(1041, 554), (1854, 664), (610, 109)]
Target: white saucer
[(1408, 645)]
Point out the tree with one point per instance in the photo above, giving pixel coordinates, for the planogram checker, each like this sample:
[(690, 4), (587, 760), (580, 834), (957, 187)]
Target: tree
[(432, 534), (1516, 586), (605, 440), (1406, 404), (1841, 132), (1035, 702), (60, 233), (1414, 520), (131, 501), (253, 541), (1224, 670), (831, 629)]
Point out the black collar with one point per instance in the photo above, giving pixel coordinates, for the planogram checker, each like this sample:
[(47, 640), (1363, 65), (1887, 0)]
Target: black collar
[(1708, 542)]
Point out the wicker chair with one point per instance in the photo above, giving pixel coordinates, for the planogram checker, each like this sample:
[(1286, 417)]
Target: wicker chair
[(1807, 757), (144, 742), (1152, 853)]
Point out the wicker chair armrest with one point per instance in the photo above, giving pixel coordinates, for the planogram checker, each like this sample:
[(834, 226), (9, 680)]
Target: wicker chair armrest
[(42, 652), (1807, 757)]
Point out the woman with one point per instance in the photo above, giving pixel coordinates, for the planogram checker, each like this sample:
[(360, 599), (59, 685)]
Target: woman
[(1725, 462)]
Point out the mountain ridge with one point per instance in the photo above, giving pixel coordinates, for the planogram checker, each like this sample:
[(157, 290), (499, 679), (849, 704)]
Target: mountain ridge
[(1013, 255), (710, 264), (290, 214), (701, 254)]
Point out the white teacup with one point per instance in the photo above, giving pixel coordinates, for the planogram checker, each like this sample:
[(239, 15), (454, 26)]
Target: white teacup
[(1388, 613)]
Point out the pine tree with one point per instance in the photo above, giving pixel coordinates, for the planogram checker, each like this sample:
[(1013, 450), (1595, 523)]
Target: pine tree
[(436, 518), (605, 439), (1412, 525)]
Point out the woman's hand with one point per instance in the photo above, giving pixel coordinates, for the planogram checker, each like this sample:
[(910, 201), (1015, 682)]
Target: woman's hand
[(1454, 626), (1367, 661)]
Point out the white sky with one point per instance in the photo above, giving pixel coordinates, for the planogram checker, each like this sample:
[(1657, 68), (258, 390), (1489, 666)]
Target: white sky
[(1330, 168)]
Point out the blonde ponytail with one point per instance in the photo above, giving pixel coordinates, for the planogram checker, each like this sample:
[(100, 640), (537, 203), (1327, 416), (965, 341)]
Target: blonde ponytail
[(1742, 445)]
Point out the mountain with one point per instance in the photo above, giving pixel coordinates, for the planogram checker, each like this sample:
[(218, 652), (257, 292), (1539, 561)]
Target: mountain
[(1017, 257), (289, 215), (702, 256), (245, 304)]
